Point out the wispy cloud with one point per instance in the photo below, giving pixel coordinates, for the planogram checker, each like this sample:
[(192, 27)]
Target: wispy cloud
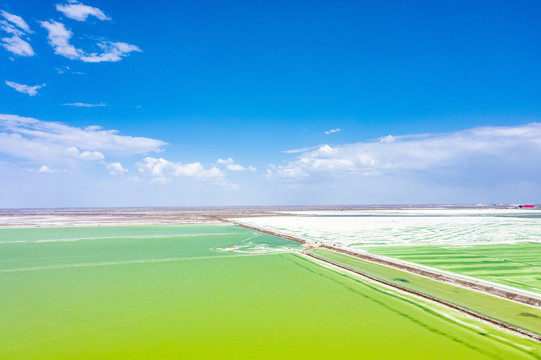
[(231, 166), (16, 20), (80, 12), (235, 167), (487, 150), (59, 38), (79, 104), (67, 70), (25, 89), (17, 28), (17, 46), (56, 143), (111, 52), (296, 151), (332, 131), (163, 170)]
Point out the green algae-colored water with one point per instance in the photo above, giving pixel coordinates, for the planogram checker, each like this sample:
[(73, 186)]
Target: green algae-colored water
[(517, 265), (212, 292), (520, 315)]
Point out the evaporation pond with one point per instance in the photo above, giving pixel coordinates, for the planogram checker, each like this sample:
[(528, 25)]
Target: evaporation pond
[(517, 264), (212, 292)]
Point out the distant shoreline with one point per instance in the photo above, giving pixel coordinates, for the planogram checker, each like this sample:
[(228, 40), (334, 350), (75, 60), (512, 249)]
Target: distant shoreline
[(66, 217)]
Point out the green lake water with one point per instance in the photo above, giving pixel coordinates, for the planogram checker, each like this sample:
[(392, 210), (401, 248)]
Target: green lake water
[(517, 265), (212, 292), (517, 314)]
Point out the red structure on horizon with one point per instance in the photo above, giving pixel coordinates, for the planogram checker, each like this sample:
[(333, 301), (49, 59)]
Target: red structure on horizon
[(526, 206)]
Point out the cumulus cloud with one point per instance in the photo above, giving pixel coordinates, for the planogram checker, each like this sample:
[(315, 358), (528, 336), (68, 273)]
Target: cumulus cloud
[(332, 131), (59, 38), (80, 104), (16, 27), (116, 168), (25, 89), (80, 12), (487, 149), (53, 142), (163, 170)]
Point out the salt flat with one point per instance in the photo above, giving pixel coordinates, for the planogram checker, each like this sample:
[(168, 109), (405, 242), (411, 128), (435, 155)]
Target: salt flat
[(408, 227)]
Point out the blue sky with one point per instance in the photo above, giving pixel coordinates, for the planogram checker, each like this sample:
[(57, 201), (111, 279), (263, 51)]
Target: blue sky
[(134, 103)]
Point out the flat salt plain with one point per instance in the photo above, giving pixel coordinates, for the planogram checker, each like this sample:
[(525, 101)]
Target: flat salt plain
[(212, 291), (498, 246)]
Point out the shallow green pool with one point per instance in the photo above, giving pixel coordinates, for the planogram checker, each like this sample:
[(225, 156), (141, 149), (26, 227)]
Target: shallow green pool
[(212, 292), (517, 265), (513, 313)]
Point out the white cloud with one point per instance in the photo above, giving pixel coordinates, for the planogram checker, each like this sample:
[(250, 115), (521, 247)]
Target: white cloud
[(67, 70), (59, 38), (332, 131), (25, 89), (80, 12), (52, 142), (286, 172), (116, 168), (44, 169), (226, 161), (47, 170), (79, 104), (91, 155), (235, 167), (387, 139), (111, 52), (230, 165), (162, 170), (296, 151), (85, 155), (486, 149), (73, 151), (16, 20), (252, 169), (17, 28), (17, 46)]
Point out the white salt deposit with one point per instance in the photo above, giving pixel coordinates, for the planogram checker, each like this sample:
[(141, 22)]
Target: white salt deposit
[(407, 227)]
